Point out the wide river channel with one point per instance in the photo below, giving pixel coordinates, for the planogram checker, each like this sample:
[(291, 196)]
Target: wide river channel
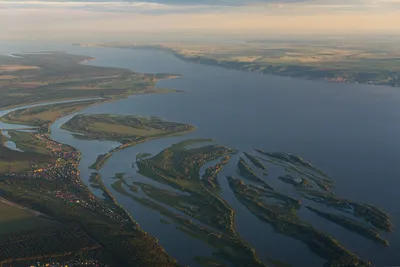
[(350, 131)]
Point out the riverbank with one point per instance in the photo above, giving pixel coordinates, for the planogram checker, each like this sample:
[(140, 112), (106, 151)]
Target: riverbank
[(58, 192), (68, 79), (127, 130), (318, 65), (102, 159)]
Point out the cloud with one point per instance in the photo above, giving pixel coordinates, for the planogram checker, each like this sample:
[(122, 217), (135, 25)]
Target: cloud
[(86, 18), (195, 6), (108, 6)]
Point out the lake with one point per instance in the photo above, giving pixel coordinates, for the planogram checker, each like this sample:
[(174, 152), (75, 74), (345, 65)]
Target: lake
[(350, 131)]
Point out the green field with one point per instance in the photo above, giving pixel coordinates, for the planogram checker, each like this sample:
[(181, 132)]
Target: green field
[(35, 153), (15, 219), (68, 201), (123, 129), (44, 115), (127, 130)]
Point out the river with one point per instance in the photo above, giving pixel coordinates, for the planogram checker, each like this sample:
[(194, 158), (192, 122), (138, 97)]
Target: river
[(350, 131)]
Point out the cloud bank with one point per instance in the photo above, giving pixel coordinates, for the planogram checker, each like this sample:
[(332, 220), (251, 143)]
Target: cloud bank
[(85, 18)]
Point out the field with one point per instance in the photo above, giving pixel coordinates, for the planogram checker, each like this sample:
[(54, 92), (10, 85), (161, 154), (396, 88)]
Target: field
[(127, 130), (27, 142), (5, 68), (55, 242), (35, 153), (17, 219), (123, 129), (41, 115), (35, 78), (86, 222), (331, 63), (373, 61), (101, 127), (15, 161)]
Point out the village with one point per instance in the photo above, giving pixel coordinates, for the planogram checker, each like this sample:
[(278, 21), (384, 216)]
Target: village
[(65, 175)]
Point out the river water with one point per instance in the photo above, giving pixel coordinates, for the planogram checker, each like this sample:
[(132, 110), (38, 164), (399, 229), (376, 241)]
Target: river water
[(350, 131)]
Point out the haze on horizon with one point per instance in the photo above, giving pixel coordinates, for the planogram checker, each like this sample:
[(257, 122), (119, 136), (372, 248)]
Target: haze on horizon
[(117, 19)]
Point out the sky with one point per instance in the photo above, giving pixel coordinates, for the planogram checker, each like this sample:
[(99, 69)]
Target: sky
[(116, 19)]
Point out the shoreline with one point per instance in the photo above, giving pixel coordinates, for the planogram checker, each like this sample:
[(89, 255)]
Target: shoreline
[(157, 76), (101, 100), (46, 103), (226, 65), (136, 228), (102, 159)]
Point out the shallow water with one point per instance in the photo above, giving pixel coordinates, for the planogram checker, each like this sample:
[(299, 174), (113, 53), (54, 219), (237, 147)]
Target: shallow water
[(348, 130), (12, 145)]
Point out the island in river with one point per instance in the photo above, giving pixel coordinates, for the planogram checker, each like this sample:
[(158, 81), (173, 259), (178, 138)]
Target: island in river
[(178, 166), (127, 130)]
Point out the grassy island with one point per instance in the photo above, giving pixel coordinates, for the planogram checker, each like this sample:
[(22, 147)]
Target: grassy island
[(371, 214), (351, 225), (127, 130), (209, 178), (123, 129), (248, 173), (292, 159), (210, 218), (297, 182), (256, 162), (179, 167), (285, 221), (281, 201), (173, 166), (312, 176), (100, 161), (314, 185)]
